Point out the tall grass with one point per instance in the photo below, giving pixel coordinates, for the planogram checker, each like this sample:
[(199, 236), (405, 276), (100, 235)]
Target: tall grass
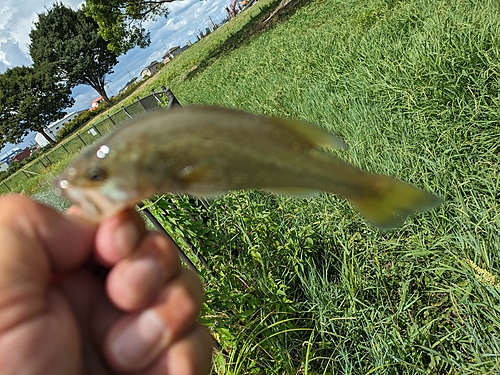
[(306, 285)]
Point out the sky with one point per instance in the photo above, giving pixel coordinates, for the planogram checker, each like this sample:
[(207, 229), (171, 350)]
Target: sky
[(186, 19)]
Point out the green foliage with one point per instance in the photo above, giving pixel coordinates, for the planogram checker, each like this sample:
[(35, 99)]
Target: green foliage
[(69, 41), (121, 21), (75, 124), (130, 90), (30, 99), (131, 86)]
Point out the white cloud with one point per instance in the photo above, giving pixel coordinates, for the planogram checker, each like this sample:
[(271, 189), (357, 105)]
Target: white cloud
[(185, 19), (16, 22), (3, 59), (14, 55)]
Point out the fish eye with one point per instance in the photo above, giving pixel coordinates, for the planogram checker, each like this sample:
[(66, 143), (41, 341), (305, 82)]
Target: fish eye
[(96, 174)]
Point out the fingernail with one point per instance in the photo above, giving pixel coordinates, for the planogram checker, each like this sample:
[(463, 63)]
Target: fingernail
[(141, 341), (126, 236), (142, 277)]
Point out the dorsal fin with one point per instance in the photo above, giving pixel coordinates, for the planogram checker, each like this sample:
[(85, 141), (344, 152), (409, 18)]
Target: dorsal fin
[(316, 135)]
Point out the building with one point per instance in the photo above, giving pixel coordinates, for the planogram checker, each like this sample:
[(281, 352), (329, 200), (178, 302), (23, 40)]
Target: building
[(95, 103), (4, 158), (54, 128), (150, 69), (20, 156), (41, 140), (172, 52)]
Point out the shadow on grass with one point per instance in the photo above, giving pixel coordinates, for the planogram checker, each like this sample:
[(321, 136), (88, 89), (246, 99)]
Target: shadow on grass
[(272, 15)]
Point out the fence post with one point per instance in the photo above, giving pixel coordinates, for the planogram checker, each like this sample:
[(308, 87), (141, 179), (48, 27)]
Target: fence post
[(65, 149), (80, 138), (156, 96), (50, 161), (160, 228), (111, 119), (125, 110), (7, 186), (172, 100)]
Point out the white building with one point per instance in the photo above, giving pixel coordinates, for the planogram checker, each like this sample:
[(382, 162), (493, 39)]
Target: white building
[(41, 140), (54, 128), (5, 157), (150, 69)]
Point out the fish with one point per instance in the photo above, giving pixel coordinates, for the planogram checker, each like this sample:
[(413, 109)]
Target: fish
[(207, 151)]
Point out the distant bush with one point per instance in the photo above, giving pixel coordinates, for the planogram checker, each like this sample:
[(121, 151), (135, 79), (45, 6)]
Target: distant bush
[(83, 118), (73, 125), (79, 121), (16, 165), (130, 89)]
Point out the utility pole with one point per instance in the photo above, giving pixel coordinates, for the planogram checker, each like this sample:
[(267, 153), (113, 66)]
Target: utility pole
[(129, 73), (214, 25)]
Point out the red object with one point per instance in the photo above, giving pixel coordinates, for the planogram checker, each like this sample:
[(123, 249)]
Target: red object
[(21, 155), (95, 103)]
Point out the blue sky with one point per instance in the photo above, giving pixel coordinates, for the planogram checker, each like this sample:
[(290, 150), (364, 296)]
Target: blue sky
[(186, 18)]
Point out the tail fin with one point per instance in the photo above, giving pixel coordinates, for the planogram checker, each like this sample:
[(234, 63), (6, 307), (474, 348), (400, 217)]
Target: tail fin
[(392, 201)]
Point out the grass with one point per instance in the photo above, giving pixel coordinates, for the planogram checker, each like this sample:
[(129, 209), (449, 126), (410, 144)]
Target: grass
[(413, 88), (306, 286)]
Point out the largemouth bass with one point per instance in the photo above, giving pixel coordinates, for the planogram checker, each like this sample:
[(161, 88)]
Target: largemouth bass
[(206, 151)]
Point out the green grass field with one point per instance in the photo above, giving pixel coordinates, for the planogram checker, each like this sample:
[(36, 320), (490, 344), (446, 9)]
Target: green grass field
[(307, 286)]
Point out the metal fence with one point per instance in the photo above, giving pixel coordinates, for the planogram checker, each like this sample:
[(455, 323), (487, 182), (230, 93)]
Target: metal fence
[(154, 101)]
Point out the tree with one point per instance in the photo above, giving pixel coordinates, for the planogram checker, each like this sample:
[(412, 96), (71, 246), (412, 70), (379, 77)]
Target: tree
[(69, 41), (30, 100), (120, 21)]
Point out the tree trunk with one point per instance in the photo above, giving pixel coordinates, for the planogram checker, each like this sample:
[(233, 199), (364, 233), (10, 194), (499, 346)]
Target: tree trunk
[(106, 98), (102, 91)]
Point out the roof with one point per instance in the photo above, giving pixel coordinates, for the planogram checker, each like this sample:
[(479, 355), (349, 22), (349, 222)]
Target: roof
[(96, 100), (152, 64), (169, 52), (173, 49)]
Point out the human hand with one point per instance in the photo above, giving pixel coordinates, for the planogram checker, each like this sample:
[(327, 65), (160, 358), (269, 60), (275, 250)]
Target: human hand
[(58, 317)]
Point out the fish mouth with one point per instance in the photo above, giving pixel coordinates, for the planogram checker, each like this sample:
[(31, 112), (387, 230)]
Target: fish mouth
[(95, 204)]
